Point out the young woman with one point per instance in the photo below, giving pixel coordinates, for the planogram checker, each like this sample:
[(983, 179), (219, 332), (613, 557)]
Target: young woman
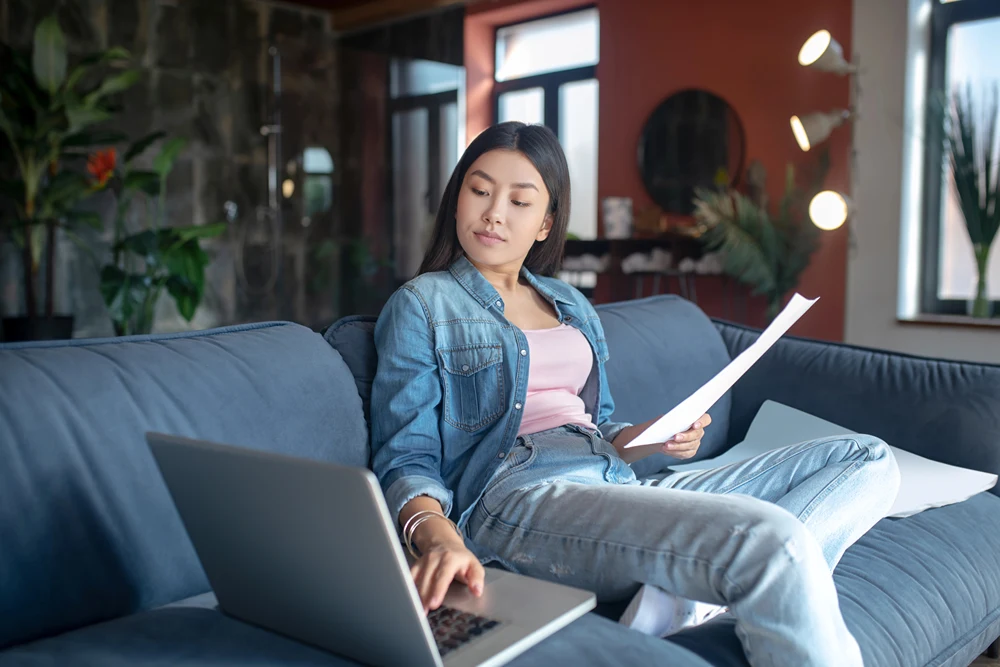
[(492, 438)]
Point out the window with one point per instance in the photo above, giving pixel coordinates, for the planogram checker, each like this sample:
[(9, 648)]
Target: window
[(965, 54), (426, 130), (317, 182), (545, 74)]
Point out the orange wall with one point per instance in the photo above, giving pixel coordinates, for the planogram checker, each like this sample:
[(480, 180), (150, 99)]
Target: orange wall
[(744, 52)]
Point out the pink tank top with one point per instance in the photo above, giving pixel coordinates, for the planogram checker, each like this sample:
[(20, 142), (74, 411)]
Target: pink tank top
[(561, 361)]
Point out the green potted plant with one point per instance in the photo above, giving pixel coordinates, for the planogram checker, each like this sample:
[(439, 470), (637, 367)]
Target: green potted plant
[(47, 114), (767, 252), (975, 163), (155, 257)]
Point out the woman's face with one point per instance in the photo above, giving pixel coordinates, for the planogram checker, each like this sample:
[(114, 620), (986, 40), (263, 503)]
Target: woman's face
[(502, 210)]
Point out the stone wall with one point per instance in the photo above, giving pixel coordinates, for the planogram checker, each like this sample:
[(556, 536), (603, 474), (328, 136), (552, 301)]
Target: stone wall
[(207, 77)]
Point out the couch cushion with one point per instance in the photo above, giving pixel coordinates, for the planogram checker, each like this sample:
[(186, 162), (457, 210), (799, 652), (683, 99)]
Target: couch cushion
[(662, 349), (915, 592), (87, 529), (194, 633), (354, 339)]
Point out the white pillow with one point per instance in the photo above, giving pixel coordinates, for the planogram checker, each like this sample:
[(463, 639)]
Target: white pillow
[(923, 483)]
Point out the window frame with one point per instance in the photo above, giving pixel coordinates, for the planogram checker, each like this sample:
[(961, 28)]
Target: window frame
[(944, 15), (549, 82)]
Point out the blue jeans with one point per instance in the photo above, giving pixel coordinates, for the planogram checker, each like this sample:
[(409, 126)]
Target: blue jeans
[(761, 537)]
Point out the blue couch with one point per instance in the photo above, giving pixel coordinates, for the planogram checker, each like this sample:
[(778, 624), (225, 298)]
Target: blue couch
[(96, 569)]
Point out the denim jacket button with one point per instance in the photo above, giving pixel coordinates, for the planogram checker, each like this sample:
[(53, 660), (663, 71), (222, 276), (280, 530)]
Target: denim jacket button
[(500, 455), (499, 304), (465, 367), (517, 406), (524, 353)]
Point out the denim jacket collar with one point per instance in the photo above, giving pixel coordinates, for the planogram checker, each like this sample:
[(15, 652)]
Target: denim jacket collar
[(469, 277)]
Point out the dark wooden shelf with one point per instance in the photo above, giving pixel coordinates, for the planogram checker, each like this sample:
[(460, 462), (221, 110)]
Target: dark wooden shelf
[(680, 246)]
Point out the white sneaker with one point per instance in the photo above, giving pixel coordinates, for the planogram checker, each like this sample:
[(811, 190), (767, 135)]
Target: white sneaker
[(656, 612)]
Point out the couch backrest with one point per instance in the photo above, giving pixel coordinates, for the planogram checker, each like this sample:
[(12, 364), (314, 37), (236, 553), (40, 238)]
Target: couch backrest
[(662, 349), (87, 529)]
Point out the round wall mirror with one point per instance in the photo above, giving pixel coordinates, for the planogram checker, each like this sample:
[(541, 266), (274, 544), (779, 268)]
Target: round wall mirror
[(693, 139)]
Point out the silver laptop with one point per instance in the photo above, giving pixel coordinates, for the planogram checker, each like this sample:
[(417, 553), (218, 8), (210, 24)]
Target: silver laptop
[(307, 549)]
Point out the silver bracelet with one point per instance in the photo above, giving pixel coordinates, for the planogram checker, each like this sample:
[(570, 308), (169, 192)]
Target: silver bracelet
[(409, 522), (411, 527)]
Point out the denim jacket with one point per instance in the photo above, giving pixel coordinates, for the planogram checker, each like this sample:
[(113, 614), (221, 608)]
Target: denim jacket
[(451, 383)]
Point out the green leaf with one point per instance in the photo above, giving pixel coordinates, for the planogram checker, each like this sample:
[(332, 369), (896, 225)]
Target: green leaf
[(65, 188), (164, 162), (123, 293), (113, 54), (187, 260), (140, 146), (186, 296), (81, 117), (112, 85), (38, 236), (94, 138), (144, 244), (86, 218), (146, 181), (49, 55), (742, 232), (200, 231)]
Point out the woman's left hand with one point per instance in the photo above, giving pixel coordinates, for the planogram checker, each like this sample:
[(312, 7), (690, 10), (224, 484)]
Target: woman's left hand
[(685, 445)]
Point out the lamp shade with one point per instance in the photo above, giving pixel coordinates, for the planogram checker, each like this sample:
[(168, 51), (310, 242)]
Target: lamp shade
[(830, 209), (822, 52), (814, 128)]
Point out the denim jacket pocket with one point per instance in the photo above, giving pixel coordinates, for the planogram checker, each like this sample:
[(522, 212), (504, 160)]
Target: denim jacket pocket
[(472, 376)]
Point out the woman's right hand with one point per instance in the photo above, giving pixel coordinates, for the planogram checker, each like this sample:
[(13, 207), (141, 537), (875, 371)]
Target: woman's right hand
[(441, 564)]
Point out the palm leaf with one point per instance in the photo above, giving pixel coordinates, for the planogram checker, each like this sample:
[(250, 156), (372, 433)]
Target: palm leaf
[(112, 54), (48, 56), (112, 85), (734, 228), (974, 163)]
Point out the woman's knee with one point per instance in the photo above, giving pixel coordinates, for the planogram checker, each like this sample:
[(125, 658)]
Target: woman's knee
[(881, 462), (772, 531)]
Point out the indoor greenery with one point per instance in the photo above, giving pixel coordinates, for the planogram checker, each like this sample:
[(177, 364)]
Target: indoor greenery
[(155, 257), (975, 160), (766, 251), (48, 111)]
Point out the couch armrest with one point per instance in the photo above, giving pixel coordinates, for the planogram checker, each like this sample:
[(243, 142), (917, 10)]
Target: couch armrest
[(947, 411)]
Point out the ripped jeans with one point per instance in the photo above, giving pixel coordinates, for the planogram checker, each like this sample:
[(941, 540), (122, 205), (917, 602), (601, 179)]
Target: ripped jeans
[(761, 536)]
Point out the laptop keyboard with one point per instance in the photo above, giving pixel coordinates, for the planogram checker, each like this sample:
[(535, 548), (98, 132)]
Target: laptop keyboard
[(453, 628)]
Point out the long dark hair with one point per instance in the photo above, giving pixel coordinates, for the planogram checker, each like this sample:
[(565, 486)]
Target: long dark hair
[(541, 146)]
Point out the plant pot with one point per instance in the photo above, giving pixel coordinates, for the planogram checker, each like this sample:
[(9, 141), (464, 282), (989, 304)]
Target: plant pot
[(57, 327)]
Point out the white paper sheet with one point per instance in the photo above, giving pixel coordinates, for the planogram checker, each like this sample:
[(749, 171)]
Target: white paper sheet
[(694, 406)]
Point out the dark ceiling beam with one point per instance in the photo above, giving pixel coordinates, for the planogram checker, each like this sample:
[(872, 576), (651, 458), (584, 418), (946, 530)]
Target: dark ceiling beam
[(375, 12)]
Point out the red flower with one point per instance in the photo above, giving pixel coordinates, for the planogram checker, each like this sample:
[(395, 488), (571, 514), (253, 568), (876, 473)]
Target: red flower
[(101, 165)]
